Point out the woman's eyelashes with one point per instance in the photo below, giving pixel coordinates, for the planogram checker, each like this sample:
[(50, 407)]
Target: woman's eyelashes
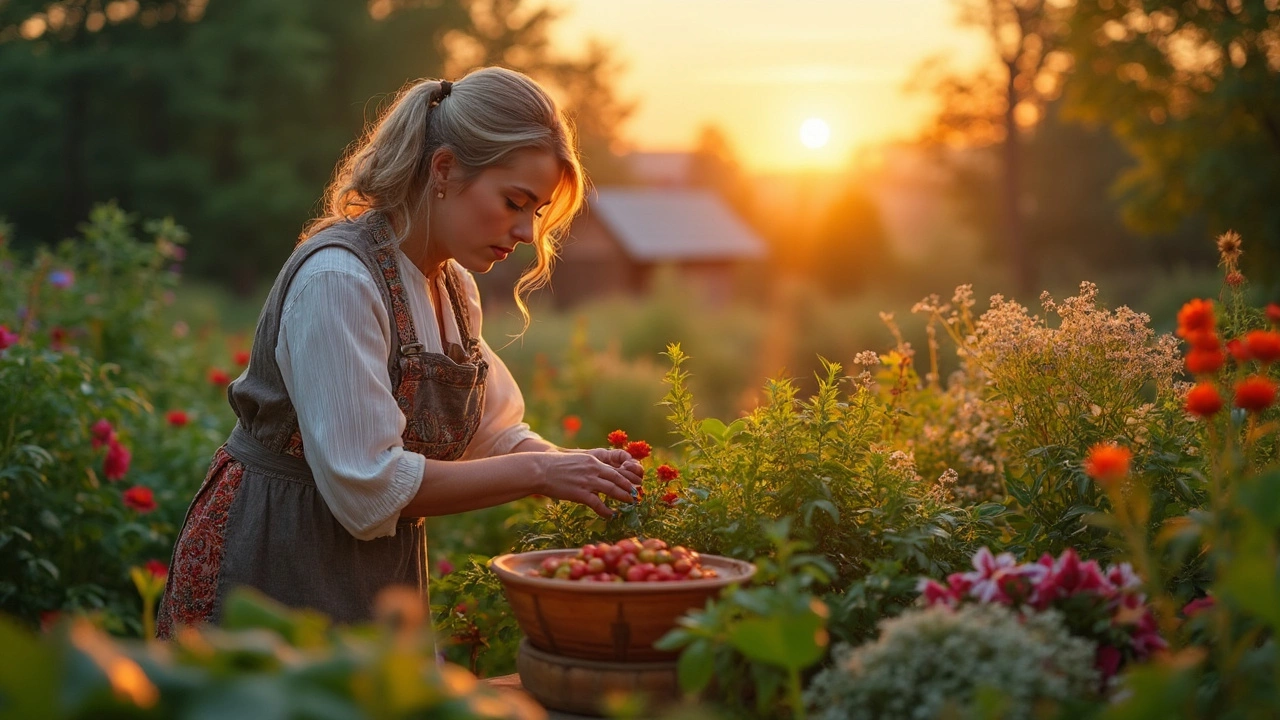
[(520, 208)]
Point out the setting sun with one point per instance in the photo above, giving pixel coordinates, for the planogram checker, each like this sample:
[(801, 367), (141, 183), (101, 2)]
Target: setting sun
[(815, 133)]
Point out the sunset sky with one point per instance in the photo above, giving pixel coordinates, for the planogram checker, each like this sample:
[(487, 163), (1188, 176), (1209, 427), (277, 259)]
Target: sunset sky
[(760, 68)]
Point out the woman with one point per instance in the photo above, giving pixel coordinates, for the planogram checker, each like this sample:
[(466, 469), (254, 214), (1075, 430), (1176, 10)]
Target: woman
[(370, 400)]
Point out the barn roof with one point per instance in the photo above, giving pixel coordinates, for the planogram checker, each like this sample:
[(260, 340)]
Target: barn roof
[(672, 224)]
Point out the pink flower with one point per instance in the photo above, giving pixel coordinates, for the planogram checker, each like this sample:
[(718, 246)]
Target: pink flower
[(445, 567), (1123, 578), (102, 433), (992, 576), (1197, 606), (140, 498), (7, 338), (1107, 660), (116, 463), (935, 593)]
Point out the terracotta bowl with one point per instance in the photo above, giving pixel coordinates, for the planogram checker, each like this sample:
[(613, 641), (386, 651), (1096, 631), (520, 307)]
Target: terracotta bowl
[(616, 621)]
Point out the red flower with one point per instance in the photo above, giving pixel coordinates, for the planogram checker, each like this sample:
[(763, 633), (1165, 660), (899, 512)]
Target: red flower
[(1203, 400), (1203, 340), (49, 619), (666, 473), (157, 568), (1107, 463), (140, 498), (1238, 350), (1107, 661), (1255, 394), (639, 449), (1235, 279), (177, 418), (1203, 362), (102, 433), (1197, 606), (1263, 345), (7, 338), (1195, 316), (218, 376), (670, 498), (116, 463), (1273, 314), (444, 566), (241, 357), (571, 424), (617, 438), (58, 338)]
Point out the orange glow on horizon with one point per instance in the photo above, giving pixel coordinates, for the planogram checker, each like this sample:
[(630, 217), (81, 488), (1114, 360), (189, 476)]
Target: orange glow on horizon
[(758, 70)]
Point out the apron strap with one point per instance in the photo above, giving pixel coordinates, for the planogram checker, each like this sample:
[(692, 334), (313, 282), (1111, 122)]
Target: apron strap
[(253, 454)]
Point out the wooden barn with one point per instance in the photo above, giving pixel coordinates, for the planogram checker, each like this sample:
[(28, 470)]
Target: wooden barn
[(626, 234)]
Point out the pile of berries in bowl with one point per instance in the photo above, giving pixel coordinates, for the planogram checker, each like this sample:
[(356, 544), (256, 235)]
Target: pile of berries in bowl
[(611, 601), (630, 560)]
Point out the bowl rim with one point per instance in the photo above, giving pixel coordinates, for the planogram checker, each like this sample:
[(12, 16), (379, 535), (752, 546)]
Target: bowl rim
[(508, 576)]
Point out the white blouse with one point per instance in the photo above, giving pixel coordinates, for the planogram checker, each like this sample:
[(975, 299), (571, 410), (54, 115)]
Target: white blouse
[(335, 338)]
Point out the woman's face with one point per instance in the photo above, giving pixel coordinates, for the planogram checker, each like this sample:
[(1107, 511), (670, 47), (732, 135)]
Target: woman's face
[(480, 224)]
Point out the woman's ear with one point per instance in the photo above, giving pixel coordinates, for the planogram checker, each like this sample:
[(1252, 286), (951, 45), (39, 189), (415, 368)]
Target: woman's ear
[(442, 162)]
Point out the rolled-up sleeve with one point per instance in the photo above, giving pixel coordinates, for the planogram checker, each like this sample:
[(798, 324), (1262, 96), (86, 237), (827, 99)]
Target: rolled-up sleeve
[(502, 425), (332, 351)]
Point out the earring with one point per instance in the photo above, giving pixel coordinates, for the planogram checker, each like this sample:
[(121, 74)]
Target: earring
[(440, 194)]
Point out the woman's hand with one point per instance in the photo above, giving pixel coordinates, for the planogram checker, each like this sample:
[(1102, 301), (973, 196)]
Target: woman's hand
[(582, 477)]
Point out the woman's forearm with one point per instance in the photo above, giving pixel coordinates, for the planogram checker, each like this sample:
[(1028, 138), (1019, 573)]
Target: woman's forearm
[(458, 486)]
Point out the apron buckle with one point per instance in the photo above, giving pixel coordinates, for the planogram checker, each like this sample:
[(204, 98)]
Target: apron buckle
[(411, 349)]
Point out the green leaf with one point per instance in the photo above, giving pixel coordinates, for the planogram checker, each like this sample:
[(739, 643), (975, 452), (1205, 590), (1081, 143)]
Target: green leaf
[(696, 665), (792, 642), (714, 428), (29, 674)]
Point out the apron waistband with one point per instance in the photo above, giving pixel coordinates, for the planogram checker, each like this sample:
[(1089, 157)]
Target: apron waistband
[(249, 450)]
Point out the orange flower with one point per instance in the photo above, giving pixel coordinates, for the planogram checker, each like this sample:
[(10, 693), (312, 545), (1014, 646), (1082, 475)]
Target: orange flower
[(1107, 463), (1195, 316), (617, 438), (1238, 350), (666, 473), (1263, 345), (1203, 400), (639, 449), (1255, 393), (571, 424), (670, 498), (218, 376), (1202, 362), (1273, 314)]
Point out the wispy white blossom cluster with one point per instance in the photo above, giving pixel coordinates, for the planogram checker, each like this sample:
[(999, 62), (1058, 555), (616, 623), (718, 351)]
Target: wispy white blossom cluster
[(931, 662)]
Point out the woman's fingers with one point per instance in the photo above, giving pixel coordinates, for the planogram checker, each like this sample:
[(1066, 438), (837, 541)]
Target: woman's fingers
[(594, 502), (615, 485)]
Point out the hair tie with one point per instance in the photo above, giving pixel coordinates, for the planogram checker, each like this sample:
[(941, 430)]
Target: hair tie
[(446, 87)]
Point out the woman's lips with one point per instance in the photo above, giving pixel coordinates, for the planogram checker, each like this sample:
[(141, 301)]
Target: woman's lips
[(501, 252)]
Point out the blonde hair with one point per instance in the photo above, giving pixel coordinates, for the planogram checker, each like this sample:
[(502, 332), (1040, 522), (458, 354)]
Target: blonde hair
[(482, 120)]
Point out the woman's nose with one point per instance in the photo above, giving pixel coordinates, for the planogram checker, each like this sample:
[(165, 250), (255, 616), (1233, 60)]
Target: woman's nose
[(523, 232)]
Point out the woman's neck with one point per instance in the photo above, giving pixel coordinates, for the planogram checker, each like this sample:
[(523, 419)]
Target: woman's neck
[(418, 249)]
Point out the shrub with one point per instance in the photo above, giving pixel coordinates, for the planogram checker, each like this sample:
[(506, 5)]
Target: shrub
[(980, 657)]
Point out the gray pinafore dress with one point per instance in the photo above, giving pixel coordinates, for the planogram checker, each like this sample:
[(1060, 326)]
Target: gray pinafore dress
[(258, 519)]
